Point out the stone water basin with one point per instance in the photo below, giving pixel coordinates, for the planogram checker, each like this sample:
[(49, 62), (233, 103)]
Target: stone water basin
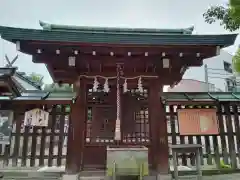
[(127, 161)]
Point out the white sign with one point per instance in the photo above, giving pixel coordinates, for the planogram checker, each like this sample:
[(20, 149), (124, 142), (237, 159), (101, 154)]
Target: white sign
[(6, 118), (36, 117)]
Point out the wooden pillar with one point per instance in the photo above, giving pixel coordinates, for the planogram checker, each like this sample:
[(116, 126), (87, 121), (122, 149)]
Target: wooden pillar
[(76, 135), (158, 128)]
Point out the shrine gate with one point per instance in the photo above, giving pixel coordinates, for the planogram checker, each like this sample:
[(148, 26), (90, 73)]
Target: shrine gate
[(118, 75)]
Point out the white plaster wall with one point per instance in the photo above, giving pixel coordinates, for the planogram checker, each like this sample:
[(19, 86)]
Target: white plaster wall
[(216, 62), (190, 85)]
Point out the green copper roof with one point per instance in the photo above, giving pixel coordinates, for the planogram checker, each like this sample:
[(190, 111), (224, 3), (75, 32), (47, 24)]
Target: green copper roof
[(123, 36), (24, 83), (87, 29), (200, 96), (192, 97), (19, 81), (41, 95)]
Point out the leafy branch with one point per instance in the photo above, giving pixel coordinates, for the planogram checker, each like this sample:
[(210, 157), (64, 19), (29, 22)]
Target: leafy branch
[(227, 16)]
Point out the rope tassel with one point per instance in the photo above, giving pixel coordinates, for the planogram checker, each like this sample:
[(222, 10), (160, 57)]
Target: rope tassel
[(117, 136)]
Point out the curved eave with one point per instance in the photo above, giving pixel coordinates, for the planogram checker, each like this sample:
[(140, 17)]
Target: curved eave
[(19, 34)]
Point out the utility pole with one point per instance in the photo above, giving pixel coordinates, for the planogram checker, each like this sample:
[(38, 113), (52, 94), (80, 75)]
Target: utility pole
[(206, 76)]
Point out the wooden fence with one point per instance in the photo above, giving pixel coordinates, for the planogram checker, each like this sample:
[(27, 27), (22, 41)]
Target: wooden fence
[(34, 146), (216, 148), (38, 146)]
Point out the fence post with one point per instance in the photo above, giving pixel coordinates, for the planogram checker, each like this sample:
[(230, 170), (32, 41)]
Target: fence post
[(237, 127), (173, 121), (222, 133), (232, 152)]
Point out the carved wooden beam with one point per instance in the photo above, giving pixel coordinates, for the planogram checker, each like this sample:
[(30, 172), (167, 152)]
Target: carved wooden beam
[(126, 50)]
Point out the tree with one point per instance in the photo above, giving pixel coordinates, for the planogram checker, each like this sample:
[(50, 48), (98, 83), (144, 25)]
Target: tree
[(236, 61), (57, 88), (228, 16), (54, 87), (36, 78), (235, 10)]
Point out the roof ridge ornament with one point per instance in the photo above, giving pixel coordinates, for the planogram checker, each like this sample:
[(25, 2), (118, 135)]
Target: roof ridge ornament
[(45, 26), (188, 30), (48, 26), (10, 63)]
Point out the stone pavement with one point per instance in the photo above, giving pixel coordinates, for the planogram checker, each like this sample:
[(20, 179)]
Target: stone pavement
[(234, 176), (52, 177), (31, 173)]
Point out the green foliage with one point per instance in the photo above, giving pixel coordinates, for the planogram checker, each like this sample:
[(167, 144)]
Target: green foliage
[(67, 108), (223, 165), (236, 61), (227, 16), (235, 10), (54, 87), (57, 88), (36, 78)]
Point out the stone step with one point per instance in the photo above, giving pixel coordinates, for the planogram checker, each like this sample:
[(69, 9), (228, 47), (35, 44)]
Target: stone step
[(92, 175), (92, 178), (31, 175)]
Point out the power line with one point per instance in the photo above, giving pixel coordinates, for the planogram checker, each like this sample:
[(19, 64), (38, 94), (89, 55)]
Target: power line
[(230, 80)]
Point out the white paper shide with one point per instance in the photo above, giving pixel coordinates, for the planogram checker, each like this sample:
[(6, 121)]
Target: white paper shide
[(36, 117)]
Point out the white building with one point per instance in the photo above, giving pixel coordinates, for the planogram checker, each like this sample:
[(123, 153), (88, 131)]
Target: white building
[(216, 74), (191, 85)]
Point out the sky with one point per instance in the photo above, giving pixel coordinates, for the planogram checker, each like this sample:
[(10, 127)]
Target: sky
[(104, 13)]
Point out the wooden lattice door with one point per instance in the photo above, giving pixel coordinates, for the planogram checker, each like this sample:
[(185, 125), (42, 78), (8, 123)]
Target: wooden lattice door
[(101, 121)]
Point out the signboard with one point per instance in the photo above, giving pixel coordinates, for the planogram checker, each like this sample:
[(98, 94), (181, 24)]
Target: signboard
[(36, 117), (198, 122), (6, 119)]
